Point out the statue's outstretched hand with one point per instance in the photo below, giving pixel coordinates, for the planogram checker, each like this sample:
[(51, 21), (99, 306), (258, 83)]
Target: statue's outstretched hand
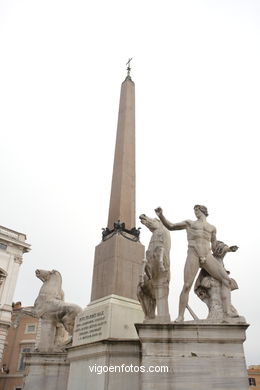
[(158, 211), (233, 248)]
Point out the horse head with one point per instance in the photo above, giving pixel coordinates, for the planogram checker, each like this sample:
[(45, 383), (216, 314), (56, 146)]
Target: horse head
[(151, 223), (45, 275)]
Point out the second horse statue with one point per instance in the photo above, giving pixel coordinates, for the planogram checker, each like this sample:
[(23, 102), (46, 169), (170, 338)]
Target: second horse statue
[(153, 288)]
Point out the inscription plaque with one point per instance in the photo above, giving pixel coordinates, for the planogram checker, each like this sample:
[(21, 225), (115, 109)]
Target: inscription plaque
[(90, 326)]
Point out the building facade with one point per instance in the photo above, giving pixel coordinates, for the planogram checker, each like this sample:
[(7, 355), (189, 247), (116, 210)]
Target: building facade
[(12, 247), (254, 377), (21, 338)]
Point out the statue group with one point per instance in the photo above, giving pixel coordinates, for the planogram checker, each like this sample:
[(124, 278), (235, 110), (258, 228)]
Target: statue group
[(213, 284)]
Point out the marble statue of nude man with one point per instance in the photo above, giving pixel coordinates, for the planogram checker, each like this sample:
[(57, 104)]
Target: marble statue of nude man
[(201, 241)]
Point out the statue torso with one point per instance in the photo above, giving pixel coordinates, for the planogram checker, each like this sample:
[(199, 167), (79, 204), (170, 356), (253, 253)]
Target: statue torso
[(199, 234)]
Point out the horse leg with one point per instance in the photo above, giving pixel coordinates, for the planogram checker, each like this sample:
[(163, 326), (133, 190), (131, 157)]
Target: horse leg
[(147, 301), (61, 334), (161, 295), (47, 335), (68, 322)]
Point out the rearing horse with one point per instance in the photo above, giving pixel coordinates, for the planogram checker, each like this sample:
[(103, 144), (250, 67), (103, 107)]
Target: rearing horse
[(153, 288), (56, 315)]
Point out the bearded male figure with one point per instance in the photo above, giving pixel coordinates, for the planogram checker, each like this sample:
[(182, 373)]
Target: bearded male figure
[(201, 242)]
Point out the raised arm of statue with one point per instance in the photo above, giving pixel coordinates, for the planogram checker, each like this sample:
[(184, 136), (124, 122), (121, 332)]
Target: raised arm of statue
[(168, 224)]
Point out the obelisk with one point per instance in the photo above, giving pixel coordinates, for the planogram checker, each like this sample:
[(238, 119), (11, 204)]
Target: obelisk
[(118, 258), (104, 332), (122, 198)]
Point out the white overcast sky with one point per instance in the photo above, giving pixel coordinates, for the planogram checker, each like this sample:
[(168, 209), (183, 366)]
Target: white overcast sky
[(196, 68)]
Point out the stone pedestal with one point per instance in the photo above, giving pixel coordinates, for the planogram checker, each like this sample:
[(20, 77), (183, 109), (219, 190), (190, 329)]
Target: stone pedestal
[(105, 353), (198, 356), (111, 317), (47, 371), (117, 267), (105, 365), (104, 339)]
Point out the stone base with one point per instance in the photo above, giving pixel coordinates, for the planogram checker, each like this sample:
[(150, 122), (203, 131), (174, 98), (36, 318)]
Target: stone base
[(198, 356), (47, 371), (117, 266), (111, 317), (118, 361), (105, 339)]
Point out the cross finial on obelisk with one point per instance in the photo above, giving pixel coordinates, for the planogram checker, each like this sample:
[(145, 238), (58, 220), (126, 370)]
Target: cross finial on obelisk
[(129, 68)]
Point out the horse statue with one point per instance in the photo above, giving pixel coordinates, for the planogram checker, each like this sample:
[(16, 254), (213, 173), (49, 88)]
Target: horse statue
[(57, 317), (153, 288)]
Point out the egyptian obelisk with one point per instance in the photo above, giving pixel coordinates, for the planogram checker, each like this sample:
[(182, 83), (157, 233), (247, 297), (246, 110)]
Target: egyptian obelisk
[(122, 199), (118, 258), (105, 331)]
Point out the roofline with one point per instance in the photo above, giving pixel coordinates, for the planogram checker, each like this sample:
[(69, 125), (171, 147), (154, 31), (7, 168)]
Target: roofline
[(13, 231)]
